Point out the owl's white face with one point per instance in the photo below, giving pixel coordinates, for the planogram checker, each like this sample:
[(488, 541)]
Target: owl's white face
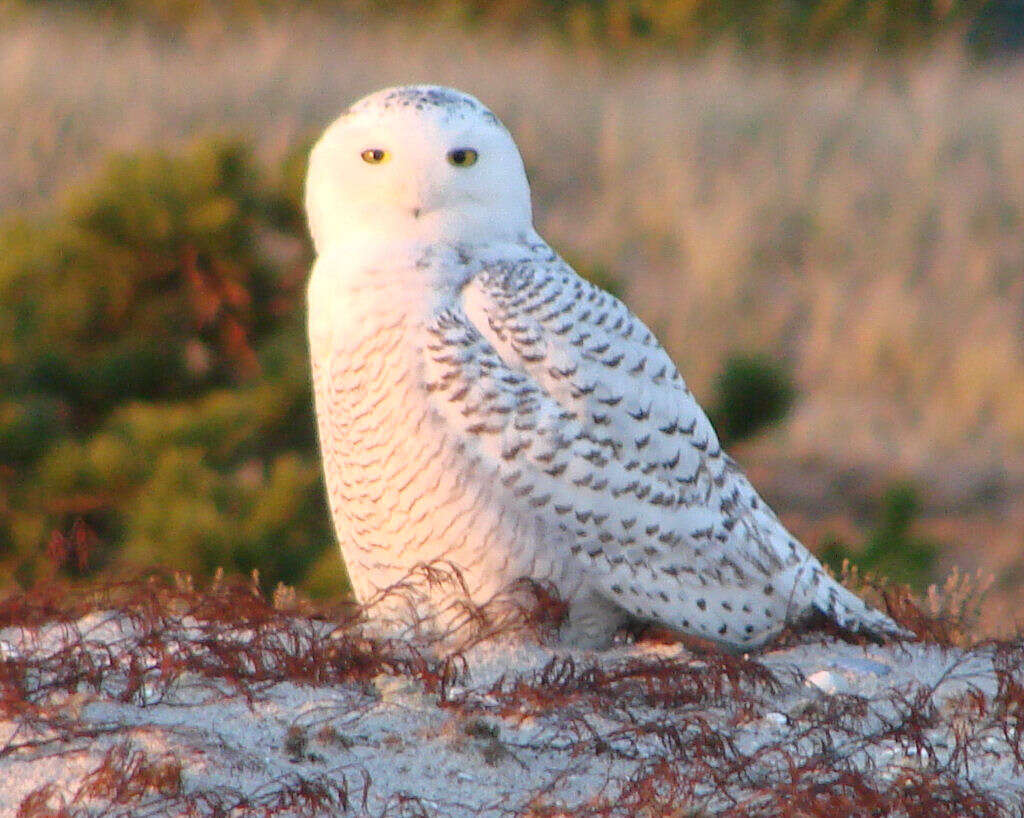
[(423, 163)]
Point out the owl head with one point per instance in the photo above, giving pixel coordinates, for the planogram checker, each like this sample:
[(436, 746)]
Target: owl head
[(420, 162)]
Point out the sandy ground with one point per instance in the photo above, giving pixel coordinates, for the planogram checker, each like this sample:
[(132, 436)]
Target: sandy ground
[(509, 727)]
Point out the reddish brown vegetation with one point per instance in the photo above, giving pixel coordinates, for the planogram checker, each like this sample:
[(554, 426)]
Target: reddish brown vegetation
[(129, 782), (230, 635), (816, 769), (681, 728)]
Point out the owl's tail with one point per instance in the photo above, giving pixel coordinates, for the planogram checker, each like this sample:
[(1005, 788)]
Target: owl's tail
[(851, 612)]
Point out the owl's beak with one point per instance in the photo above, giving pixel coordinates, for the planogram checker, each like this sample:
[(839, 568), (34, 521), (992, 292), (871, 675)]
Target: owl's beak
[(423, 193)]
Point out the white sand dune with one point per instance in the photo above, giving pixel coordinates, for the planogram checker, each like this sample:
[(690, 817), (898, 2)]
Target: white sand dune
[(508, 727)]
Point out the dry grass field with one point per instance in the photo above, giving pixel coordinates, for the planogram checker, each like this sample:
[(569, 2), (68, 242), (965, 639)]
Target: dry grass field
[(862, 221)]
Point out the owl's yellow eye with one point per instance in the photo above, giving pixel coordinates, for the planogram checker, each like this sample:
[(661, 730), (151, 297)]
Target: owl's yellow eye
[(374, 156), (462, 157)]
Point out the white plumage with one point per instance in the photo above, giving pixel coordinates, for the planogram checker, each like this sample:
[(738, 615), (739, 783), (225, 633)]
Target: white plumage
[(481, 404)]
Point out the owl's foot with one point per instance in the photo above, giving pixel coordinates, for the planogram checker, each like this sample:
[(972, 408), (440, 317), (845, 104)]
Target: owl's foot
[(592, 621)]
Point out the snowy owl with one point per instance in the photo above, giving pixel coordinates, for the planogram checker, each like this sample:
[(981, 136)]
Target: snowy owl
[(482, 406)]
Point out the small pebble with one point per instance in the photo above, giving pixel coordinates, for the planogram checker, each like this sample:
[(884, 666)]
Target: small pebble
[(828, 682)]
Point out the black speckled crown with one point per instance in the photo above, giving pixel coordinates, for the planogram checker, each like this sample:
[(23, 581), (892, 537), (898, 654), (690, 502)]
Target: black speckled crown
[(424, 97)]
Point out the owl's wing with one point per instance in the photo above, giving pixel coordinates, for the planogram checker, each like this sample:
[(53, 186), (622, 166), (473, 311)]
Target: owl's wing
[(572, 403)]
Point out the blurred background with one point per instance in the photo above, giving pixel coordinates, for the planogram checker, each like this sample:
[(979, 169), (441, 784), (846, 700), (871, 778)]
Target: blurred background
[(817, 205)]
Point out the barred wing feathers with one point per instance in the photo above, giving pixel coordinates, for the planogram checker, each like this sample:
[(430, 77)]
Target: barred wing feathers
[(579, 412)]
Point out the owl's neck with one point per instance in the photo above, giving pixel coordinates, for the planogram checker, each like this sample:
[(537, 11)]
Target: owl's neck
[(393, 241), (366, 281), (406, 266)]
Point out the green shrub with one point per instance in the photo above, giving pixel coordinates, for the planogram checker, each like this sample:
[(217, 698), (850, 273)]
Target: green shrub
[(150, 285), (891, 549), (27, 423), (156, 356), (751, 393)]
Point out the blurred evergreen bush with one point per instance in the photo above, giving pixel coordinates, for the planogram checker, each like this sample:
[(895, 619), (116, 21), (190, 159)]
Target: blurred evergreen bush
[(891, 549), (997, 30), (154, 361), (751, 393)]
